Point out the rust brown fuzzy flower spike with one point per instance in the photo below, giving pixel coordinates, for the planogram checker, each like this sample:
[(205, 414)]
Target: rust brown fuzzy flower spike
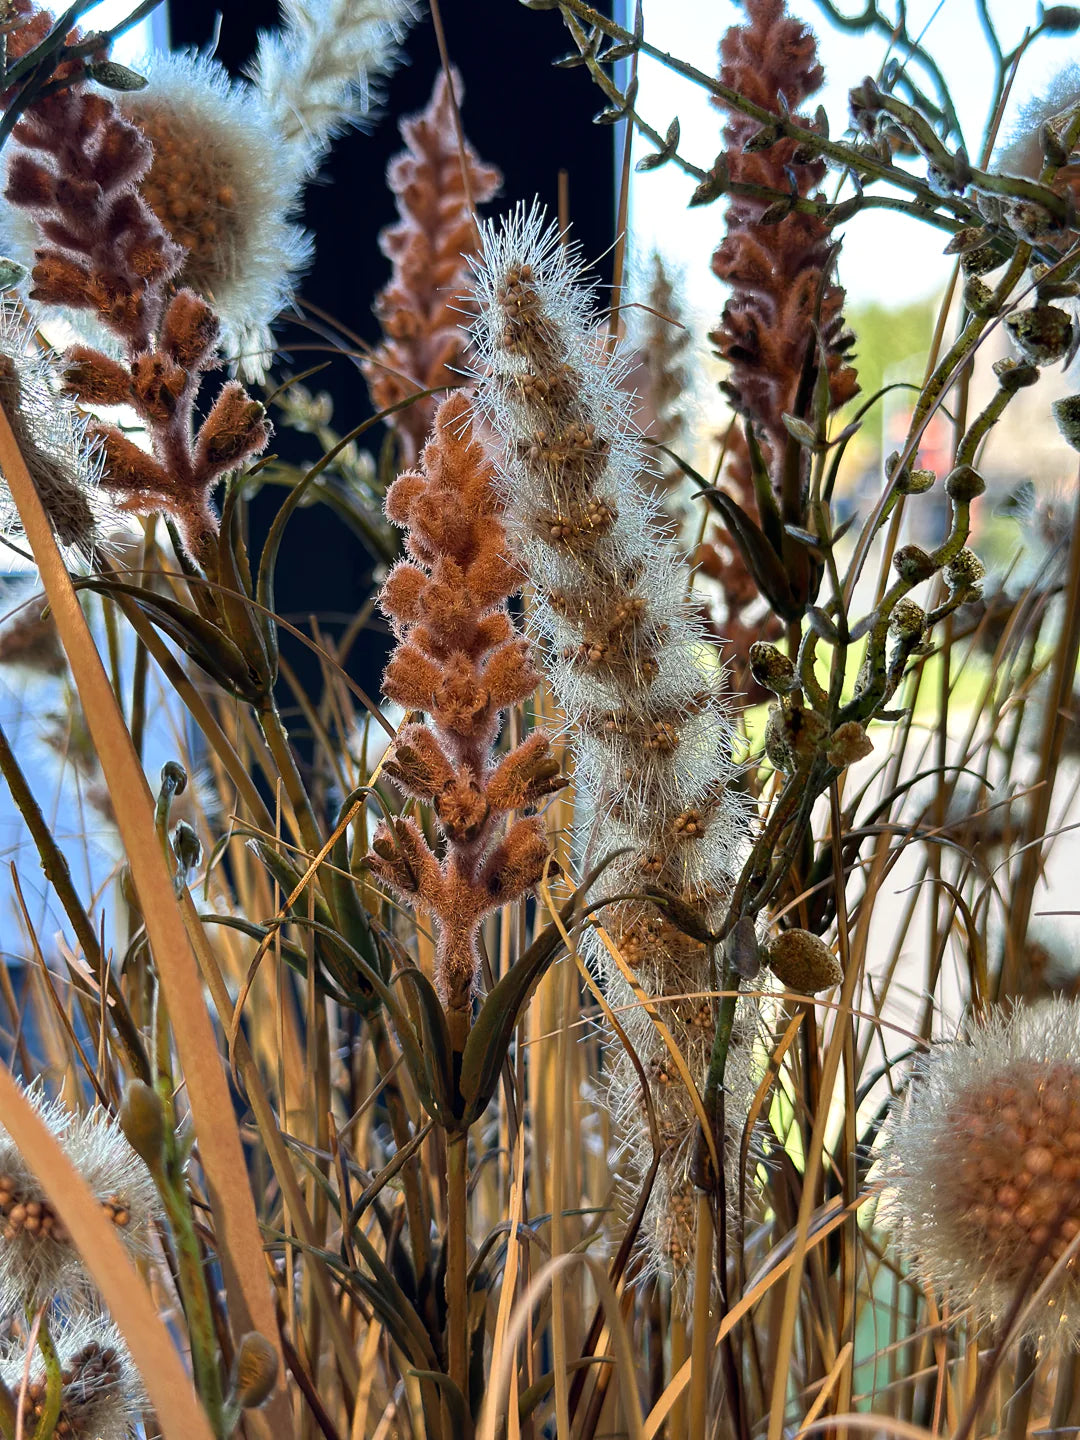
[(775, 270), (420, 307), (75, 167), (460, 660)]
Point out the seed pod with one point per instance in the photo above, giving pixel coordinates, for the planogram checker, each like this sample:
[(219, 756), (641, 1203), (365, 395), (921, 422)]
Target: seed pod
[(142, 1119), (1015, 375), (965, 571), (908, 619), (771, 668), (256, 1370), (1042, 334), (803, 962), (915, 482), (1067, 416), (913, 564), (964, 484)]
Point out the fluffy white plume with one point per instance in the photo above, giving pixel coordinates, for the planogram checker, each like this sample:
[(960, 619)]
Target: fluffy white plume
[(630, 664), (316, 74)]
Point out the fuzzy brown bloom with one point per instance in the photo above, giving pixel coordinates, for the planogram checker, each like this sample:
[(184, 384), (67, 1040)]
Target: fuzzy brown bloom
[(460, 660), (420, 307), (777, 272), (76, 167)]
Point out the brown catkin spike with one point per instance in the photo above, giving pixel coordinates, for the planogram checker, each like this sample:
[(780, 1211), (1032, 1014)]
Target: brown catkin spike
[(420, 307), (775, 271)]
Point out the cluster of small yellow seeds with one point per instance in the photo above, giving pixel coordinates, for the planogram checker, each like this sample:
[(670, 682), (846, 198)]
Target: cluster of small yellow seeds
[(191, 191), (37, 1218), (1015, 1179)]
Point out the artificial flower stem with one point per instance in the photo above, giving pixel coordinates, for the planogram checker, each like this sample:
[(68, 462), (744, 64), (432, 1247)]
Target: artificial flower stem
[(457, 1294), (194, 1294), (54, 1383)]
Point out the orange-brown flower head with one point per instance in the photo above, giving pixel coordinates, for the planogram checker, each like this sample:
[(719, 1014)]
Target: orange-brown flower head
[(460, 660), (983, 1166)]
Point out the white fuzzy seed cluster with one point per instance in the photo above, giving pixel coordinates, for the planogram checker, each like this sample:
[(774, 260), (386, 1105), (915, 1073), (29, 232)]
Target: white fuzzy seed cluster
[(101, 1391), (51, 436), (316, 74), (630, 665), (38, 1262), (981, 1162)]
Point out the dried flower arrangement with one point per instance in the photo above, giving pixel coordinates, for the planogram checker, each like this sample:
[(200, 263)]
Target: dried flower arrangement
[(654, 1033)]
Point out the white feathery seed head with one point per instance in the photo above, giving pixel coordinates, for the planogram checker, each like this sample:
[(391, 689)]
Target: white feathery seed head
[(38, 1261), (64, 465), (318, 72), (626, 656), (981, 1162), (101, 1393)]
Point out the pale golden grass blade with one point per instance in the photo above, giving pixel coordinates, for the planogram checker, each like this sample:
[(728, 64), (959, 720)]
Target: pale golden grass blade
[(506, 1301), (238, 1240), (626, 1366), (841, 1362), (658, 1414), (156, 1358)]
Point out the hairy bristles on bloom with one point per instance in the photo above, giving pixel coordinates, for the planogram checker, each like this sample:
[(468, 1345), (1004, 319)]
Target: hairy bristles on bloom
[(317, 73), (37, 1259), (101, 1392), (64, 464), (219, 189), (626, 656), (982, 1164)]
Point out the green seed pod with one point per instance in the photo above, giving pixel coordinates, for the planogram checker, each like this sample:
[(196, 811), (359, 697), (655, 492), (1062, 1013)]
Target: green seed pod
[(771, 668), (908, 620), (964, 484), (915, 482), (142, 1119), (979, 298), (913, 564), (803, 962)]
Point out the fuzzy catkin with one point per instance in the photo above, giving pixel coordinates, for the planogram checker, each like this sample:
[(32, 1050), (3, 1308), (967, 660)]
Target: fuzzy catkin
[(628, 661), (420, 307)]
